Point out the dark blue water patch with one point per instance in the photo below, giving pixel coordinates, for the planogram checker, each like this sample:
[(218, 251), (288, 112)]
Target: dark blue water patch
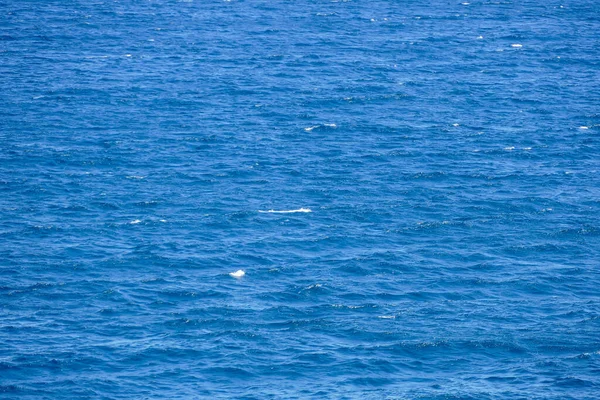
[(447, 153)]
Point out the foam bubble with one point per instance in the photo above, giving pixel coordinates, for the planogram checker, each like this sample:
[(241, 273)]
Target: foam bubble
[(237, 274)]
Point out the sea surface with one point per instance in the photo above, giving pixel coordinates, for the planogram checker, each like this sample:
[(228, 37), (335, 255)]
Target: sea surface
[(406, 195)]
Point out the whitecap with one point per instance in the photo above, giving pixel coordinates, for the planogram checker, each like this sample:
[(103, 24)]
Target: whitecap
[(516, 45), (316, 285), (135, 221), (509, 148), (300, 210), (387, 316), (237, 274), (584, 127), (310, 128)]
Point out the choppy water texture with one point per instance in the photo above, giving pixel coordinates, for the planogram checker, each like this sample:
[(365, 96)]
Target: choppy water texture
[(438, 162)]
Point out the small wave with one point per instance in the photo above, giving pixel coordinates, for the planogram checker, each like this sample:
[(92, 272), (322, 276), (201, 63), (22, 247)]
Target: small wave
[(300, 210)]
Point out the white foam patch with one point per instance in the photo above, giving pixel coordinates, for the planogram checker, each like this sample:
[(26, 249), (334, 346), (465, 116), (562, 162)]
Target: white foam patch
[(584, 127), (310, 128), (237, 274), (300, 210), (135, 221), (387, 317), (516, 45)]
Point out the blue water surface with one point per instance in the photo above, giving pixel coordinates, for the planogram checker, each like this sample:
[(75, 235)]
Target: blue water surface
[(449, 154)]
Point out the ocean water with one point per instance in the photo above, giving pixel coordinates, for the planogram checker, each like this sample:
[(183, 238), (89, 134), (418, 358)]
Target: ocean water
[(410, 192)]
